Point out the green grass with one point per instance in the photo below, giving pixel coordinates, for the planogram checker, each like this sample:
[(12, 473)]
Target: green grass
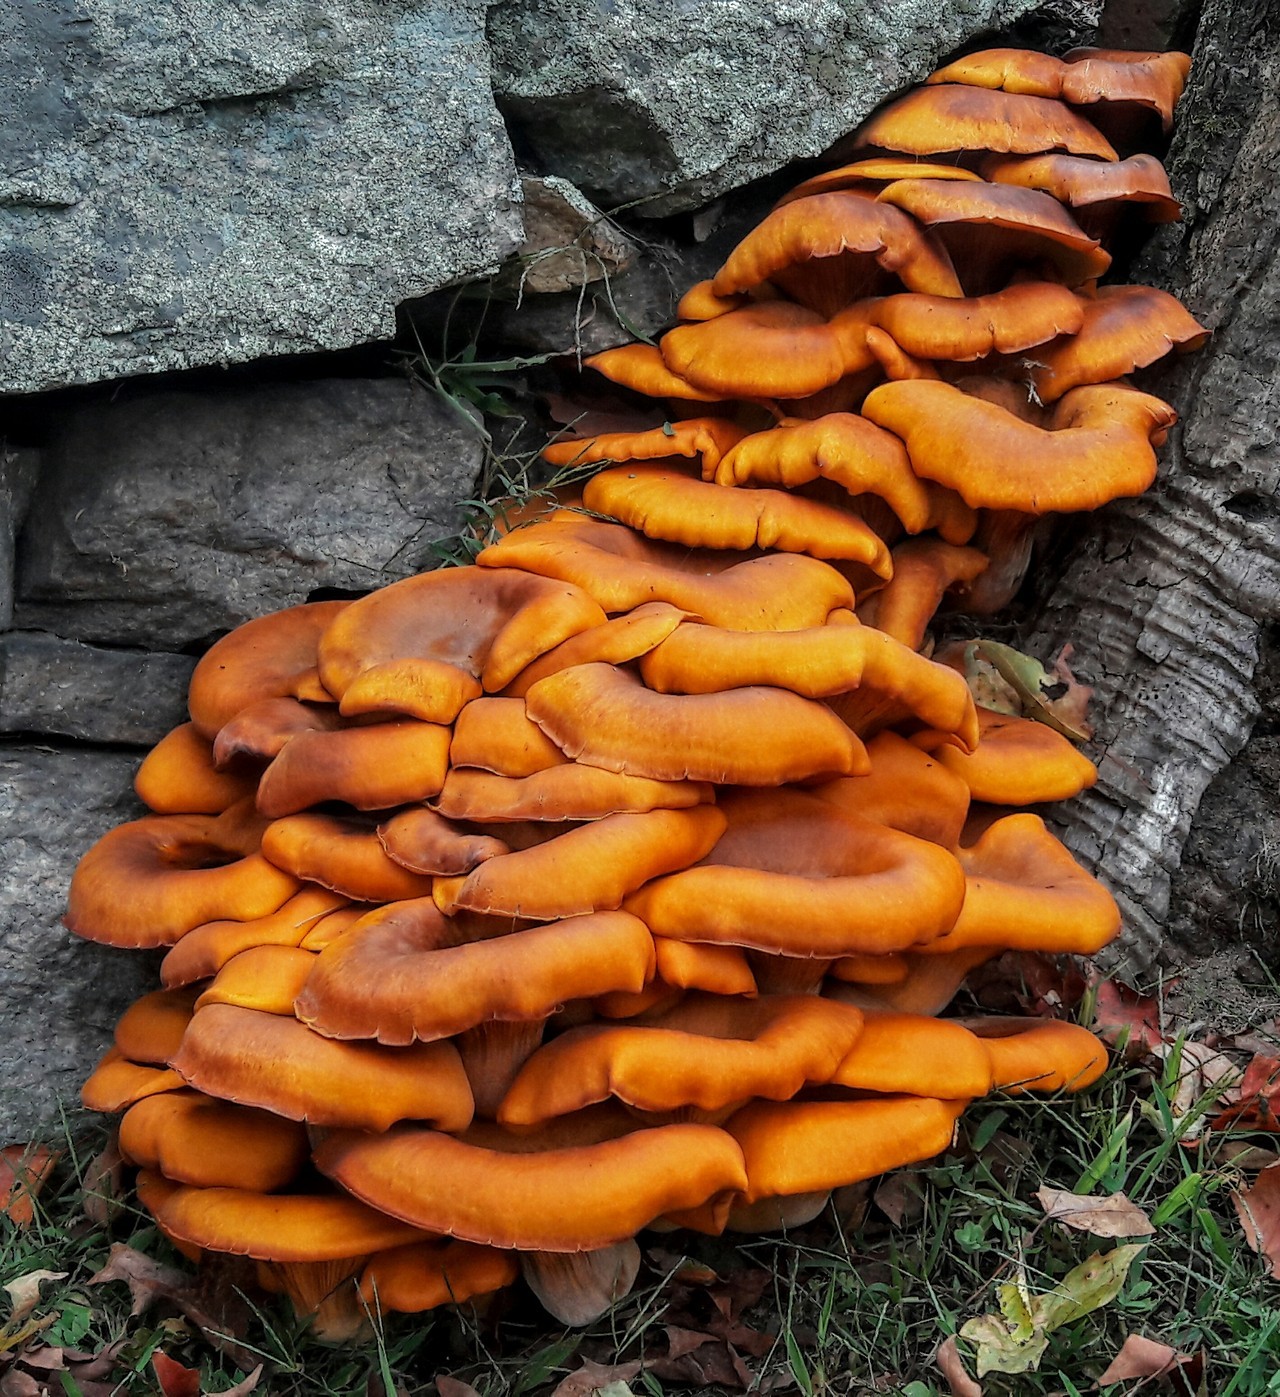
[(843, 1309)]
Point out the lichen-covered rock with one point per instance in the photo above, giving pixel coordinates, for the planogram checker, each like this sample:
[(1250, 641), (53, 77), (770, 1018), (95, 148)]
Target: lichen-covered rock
[(165, 518), (60, 688), (227, 179), (675, 103), (59, 996)]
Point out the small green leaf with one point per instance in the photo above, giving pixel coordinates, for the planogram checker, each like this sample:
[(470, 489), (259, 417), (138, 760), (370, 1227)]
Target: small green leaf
[(999, 1351), (1086, 1288), (799, 1369)]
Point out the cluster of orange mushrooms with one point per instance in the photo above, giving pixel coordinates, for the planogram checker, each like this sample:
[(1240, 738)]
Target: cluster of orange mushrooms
[(616, 881)]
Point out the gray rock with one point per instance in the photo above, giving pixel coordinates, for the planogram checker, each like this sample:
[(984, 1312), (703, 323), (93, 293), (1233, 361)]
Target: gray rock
[(224, 179), (568, 242), (19, 468), (162, 519), (62, 688), (59, 997), (674, 103)]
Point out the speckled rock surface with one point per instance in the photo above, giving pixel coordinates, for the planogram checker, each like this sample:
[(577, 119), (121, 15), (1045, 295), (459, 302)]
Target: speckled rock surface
[(163, 519), (59, 996), (633, 99), (225, 179)]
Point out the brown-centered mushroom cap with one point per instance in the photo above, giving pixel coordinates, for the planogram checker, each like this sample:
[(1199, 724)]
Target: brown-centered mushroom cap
[(271, 1226), (590, 868), (372, 768), (407, 973), (605, 717), (271, 657), (675, 505), (262, 729), (487, 624), (1138, 182), (829, 250), (343, 855), (573, 1184), (955, 117), (797, 876), (193, 1139), (1096, 447), (424, 842), (280, 1065), (708, 1052), (622, 570), (179, 777), (1124, 328), (148, 882)]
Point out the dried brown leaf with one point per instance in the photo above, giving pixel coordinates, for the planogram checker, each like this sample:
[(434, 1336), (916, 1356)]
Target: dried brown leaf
[(901, 1198), (1113, 1216), (455, 1387), (682, 1341), (104, 1185), (951, 1366), (24, 1293), (1123, 1015), (1142, 1358), (591, 1377), (1258, 1207)]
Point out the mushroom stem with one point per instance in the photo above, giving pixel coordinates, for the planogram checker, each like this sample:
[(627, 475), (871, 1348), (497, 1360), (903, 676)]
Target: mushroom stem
[(776, 974), (578, 1287), (492, 1053)]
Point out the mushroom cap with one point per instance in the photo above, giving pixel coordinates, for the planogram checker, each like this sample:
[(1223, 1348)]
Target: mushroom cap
[(424, 1275), (1010, 69), (708, 1052), (424, 842), (570, 791), (956, 117), (999, 224), (1039, 1054), (193, 1139), (821, 662), (700, 302), (116, 1083), (573, 1184), (497, 735), (340, 854), (280, 1065), (671, 504), (640, 367), (829, 250), (690, 966), (1124, 328), (271, 657), (795, 1147), (797, 876), (617, 642), (622, 570), (906, 790), (262, 729), (179, 776), (487, 624), (916, 1055), (705, 437), (406, 972), (841, 447), (150, 881), (589, 868), (270, 1226), (1096, 447), (433, 691), (1084, 184), (266, 978), (924, 571), (205, 949), (371, 768), (1017, 762), (879, 170), (771, 349), (150, 1030), (962, 329), (1026, 893), (929, 985), (606, 717)]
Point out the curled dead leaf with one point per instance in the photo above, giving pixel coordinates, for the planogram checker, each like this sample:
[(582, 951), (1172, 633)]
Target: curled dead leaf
[(951, 1365), (1258, 1208), (1113, 1216), (24, 1294)]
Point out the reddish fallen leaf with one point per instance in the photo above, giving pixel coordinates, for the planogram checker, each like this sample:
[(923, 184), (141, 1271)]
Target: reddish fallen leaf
[(1144, 1358), (682, 1341), (1071, 707), (591, 1377), (741, 1336), (174, 1379), (24, 1171), (1113, 1216), (1258, 1208), (951, 1366), (1123, 1016), (16, 1383), (455, 1387), (1255, 1099), (1028, 982), (713, 1364)]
